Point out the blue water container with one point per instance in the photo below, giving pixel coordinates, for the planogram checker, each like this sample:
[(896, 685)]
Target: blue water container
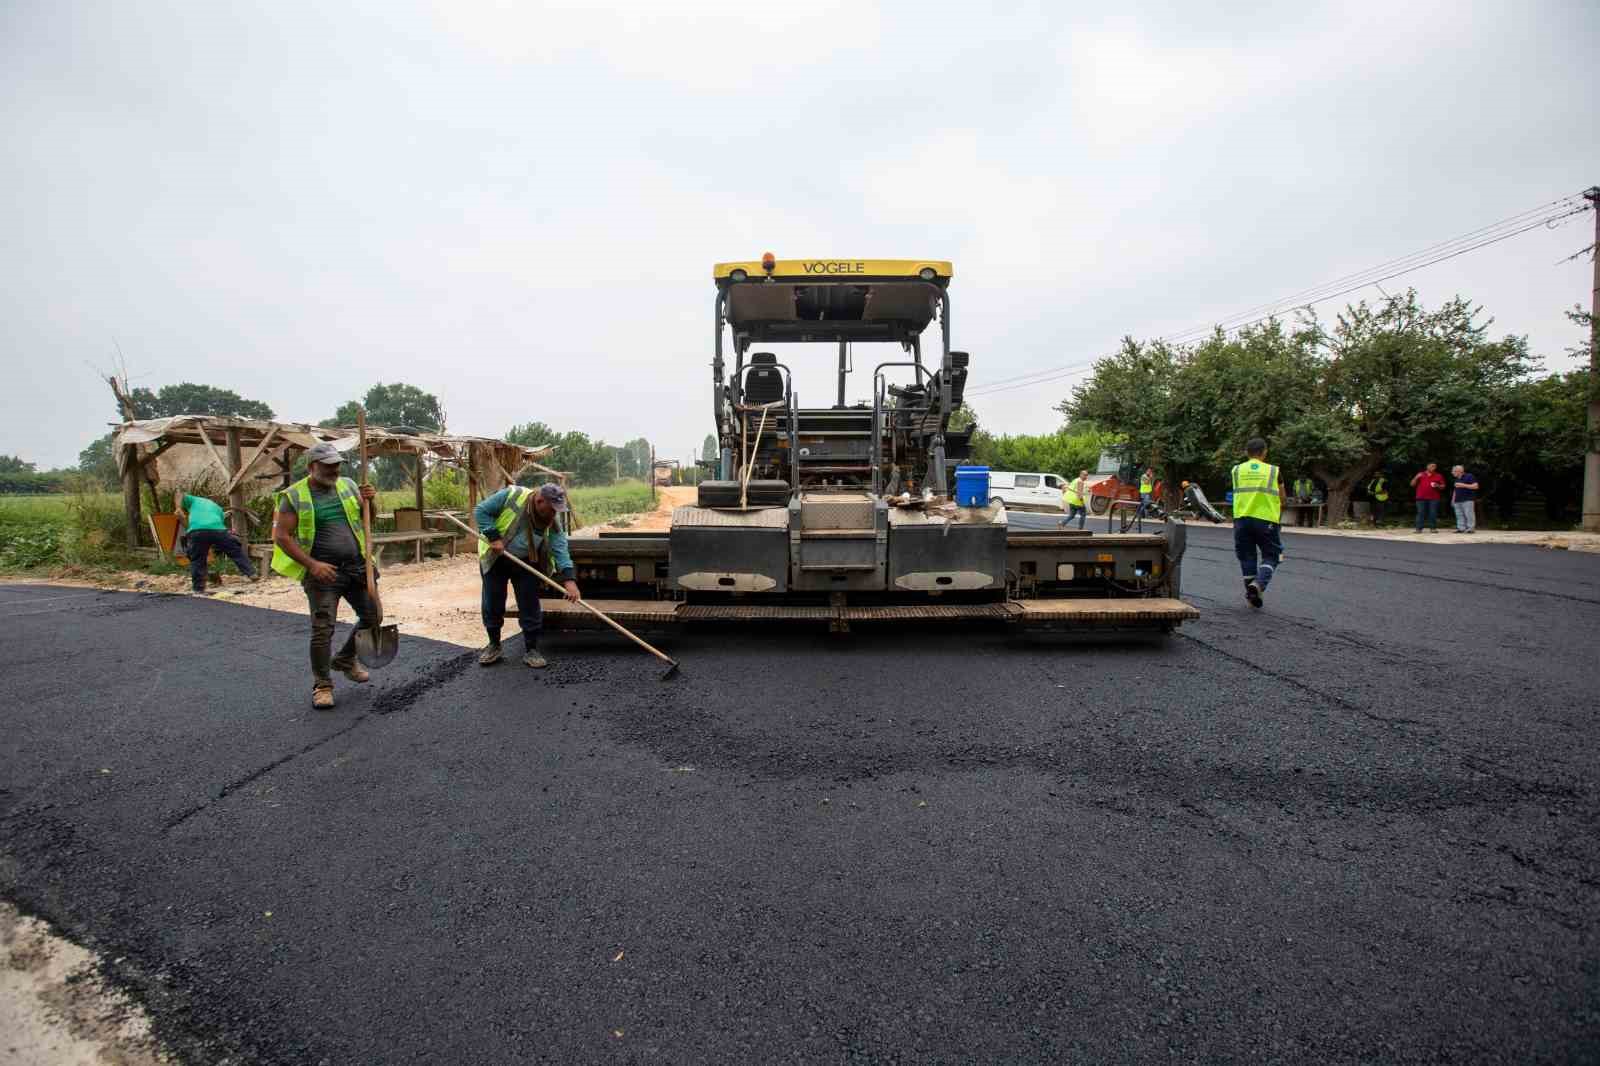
[(972, 486)]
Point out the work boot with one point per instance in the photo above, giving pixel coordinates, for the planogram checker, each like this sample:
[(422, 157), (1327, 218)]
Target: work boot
[(490, 654), (322, 698), (1252, 592), (534, 659), (356, 672)]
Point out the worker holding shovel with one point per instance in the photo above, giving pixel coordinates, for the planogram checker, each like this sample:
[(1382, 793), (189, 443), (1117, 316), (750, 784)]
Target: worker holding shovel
[(523, 522), (317, 540)]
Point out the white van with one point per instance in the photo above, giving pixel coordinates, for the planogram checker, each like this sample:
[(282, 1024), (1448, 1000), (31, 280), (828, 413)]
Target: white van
[(1026, 492)]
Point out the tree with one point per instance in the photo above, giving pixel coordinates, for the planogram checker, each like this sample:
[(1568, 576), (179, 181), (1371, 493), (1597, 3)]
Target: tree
[(187, 398), (393, 407), (11, 464), (587, 462), (633, 458), (397, 406), (709, 452), (98, 462)]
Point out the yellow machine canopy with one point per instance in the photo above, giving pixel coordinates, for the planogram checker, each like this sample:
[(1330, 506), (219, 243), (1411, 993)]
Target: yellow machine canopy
[(818, 299)]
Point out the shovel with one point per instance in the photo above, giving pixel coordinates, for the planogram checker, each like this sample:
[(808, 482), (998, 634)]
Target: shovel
[(375, 647)]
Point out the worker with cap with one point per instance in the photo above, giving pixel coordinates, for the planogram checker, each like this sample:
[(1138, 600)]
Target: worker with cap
[(317, 540), (523, 522), (1257, 514)]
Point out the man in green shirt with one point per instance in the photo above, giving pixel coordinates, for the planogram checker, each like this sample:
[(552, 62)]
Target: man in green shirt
[(318, 541), (207, 530)]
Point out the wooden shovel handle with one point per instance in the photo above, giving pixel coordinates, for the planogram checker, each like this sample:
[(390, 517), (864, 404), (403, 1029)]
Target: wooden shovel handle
[(581, 603)]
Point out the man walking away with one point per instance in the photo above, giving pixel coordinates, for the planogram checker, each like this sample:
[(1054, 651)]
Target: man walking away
[(1074, 496), (1429, 484), (207, 530), (1378, 492), (1465, 500), (1257, 513), (317, 540), (523, 522)]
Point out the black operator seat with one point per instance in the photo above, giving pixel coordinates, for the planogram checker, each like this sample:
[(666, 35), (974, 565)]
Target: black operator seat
[(763, 382)]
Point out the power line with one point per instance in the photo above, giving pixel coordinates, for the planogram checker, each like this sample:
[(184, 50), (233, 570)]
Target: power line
[(1547, 214)]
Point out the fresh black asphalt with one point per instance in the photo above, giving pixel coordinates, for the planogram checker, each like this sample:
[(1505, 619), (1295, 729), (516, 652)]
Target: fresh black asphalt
[(1361, 825)]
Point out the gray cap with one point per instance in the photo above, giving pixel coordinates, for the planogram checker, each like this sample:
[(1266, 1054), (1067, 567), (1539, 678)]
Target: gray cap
[(554, 495), (324, 452)]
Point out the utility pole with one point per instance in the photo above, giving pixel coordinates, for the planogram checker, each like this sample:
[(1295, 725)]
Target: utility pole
[(1591, 459)]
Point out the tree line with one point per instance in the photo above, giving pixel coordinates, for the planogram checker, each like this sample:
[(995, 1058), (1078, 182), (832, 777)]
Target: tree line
[(1385, 387)]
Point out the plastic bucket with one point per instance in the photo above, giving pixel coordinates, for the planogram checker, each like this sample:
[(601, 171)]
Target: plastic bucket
[(972, 486)]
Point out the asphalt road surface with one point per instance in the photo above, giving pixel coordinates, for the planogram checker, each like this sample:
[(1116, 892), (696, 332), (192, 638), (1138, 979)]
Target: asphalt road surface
[(1361, 825)]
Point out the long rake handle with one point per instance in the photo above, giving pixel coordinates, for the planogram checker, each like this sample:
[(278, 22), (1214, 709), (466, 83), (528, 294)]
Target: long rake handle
[(581, 603)]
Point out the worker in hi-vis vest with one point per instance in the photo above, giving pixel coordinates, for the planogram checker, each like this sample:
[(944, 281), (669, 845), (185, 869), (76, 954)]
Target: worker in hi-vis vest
[(1304, 489), (526, 523), (1257, 510), (1147, 488), (1378, 492), (1076, 497), (317, 541)]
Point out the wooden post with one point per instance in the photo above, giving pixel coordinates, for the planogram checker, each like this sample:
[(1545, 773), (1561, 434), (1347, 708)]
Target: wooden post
[(241, 527), (419, 504), (472, 484), (131, 504)]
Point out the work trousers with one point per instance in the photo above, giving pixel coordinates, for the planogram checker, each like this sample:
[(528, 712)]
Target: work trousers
[(1378, 507), (1427, 512), (1253, 538), (1078, 511), (1144, 505), (1466, 515), (201, 543), (530, 616), (350, 586)]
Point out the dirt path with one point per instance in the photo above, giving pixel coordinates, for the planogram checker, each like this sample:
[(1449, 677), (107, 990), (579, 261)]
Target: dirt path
[(657, 521)]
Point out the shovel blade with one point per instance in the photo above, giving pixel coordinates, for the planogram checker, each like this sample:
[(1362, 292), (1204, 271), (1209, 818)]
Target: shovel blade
[(376, 647)]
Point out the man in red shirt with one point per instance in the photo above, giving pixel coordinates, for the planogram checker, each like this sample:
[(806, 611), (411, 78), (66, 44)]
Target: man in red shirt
[(1429, 485)]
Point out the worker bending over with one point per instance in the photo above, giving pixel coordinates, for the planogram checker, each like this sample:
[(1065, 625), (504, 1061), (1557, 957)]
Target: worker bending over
[(317, 540), (1257, 513), (523, 522), (207, 529)]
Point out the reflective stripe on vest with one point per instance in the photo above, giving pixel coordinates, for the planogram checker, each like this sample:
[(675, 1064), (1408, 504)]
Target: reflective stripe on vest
[(1378, 488), (1255, 491), (305, 533)]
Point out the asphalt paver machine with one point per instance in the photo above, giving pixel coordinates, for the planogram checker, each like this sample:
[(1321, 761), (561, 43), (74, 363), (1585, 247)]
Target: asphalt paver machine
[(842, 512)]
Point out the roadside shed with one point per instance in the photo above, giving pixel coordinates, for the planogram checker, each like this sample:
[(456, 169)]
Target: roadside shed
[(252, 457)]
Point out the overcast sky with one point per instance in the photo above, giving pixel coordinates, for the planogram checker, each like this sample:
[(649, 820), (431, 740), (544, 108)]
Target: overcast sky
[(517, 205)]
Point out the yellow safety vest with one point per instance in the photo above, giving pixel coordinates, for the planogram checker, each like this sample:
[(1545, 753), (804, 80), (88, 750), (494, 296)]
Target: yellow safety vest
[(1074, 493), (1255, 491), (1146, 486), (305, 533), (1379, 489), (1303, 486), (509, 515)]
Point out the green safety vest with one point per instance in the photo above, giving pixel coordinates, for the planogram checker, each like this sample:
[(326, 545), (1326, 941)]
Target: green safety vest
[(1378, 489), (1303, 486), (299, 497), (509, 515), (1255, 491), (1074, 497), (1146, 486)]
